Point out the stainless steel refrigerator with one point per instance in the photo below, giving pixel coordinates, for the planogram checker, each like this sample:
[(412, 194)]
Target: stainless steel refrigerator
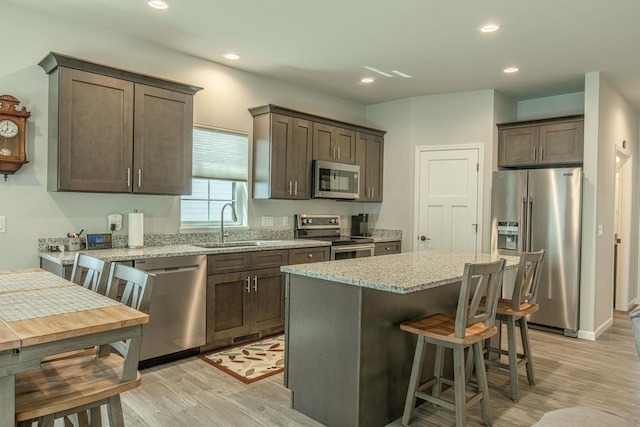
[(541, 209)]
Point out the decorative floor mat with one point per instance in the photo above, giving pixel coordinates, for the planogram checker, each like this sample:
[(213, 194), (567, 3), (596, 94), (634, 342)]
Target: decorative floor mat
[(250, 362)]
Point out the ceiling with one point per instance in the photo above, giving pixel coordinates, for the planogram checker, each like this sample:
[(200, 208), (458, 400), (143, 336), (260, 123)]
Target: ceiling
[(326, 45)]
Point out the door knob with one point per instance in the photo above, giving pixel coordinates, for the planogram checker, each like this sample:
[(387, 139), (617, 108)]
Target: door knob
[(423, 238)]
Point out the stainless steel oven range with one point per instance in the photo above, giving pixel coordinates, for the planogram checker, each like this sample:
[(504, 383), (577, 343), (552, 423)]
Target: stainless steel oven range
[(327, 228)]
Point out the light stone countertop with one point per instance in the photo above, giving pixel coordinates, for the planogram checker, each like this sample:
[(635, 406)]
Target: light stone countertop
[(400, 273), (126, 254)]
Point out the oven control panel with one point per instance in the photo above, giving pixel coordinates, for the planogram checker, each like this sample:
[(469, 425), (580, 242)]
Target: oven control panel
[(309, 222)]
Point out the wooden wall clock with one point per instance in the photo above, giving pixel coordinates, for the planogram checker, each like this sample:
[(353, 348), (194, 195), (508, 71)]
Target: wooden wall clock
[(12, 135)]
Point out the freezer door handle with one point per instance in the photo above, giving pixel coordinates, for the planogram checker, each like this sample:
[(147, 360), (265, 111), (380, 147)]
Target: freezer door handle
[(523, 224)]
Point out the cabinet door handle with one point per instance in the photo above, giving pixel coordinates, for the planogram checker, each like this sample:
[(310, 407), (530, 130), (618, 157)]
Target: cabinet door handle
[(541, 154), (334, 152), (128, 177), (139, 177), (295, 188), (255, 283), (534, 153), (248, 284), (290, 184)]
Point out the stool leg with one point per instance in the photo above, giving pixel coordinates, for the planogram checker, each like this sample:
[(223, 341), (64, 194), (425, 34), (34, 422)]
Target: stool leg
[(437, 371), (513, 358), (524, 332), (116, 419), (481, 376), (459, 385), (414, 381)]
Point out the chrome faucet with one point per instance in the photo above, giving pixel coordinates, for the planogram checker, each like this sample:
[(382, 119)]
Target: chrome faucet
[(233, 216)]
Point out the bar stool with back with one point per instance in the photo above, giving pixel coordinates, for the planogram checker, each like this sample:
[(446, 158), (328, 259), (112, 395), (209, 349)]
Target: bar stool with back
[(516, 310), (472, 324)]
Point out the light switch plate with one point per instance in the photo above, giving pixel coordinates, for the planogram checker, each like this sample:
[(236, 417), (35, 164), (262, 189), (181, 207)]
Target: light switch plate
[(285, 221), (3, 224), (600, 230), (268, 221)]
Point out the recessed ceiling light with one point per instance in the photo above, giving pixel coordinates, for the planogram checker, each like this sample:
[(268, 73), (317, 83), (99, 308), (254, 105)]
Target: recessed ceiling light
[(158, 4), (511, 70), (232, 56), (368, 80), (490, 28)]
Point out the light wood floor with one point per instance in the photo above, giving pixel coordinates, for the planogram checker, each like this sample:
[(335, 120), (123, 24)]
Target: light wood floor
[(569, 372)]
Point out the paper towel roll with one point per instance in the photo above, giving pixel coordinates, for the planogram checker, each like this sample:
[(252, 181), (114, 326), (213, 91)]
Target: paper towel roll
[(136, 230)]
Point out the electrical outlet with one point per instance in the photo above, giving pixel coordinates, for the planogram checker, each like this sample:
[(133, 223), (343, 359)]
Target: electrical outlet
[(3, 224), (268, 221), (285, 221), (114, 222)]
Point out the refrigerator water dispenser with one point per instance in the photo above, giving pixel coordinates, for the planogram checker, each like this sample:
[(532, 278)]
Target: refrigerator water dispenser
[(508, 235)]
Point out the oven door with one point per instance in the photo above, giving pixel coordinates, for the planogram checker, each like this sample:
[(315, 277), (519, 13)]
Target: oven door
[(352, 251)]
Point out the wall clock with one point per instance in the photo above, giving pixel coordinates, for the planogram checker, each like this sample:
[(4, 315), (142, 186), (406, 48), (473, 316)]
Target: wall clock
[(12, 135)]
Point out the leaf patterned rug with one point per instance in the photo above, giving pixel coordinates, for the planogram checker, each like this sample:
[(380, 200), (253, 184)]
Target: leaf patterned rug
[(250, 362)]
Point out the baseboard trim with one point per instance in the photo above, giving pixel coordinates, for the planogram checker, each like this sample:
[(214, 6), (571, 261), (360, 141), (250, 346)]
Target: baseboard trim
[(592, 336)]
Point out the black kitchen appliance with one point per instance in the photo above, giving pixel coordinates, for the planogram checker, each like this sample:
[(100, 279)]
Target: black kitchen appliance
[(360, 225), (327, 228)]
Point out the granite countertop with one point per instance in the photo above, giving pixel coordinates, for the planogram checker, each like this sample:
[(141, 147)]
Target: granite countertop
[(400, 273), (382, 239), (126, 254)]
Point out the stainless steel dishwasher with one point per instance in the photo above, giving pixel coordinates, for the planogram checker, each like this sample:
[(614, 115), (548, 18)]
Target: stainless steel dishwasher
[(178, 305)]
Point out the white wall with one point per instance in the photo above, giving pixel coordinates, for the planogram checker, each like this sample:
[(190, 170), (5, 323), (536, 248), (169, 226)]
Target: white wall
[(551, 106), (609, 119), (32, 212), (457, 118)]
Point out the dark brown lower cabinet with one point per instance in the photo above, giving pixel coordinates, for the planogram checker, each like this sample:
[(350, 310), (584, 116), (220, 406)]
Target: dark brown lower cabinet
[(240, 304)]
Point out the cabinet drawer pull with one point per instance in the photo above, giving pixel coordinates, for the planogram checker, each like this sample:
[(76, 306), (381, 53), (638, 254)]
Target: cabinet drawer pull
[(128, 177), (387, 248), (310, 255), (248, 284), (255, 283)]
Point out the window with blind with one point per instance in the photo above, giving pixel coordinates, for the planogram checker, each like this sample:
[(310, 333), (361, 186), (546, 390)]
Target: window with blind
[(220, 174)]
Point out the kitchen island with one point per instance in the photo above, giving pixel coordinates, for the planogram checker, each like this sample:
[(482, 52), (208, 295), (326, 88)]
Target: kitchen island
[(347, 361)]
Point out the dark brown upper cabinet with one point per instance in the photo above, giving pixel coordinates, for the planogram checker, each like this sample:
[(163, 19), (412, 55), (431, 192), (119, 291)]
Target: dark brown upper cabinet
[(285, 142), (282, 159), (334, 144), (557, 141), (115, 131), (369, 155)]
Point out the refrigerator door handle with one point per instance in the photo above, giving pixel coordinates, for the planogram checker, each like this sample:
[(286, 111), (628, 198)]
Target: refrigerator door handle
[(529, 222), (523, 224)]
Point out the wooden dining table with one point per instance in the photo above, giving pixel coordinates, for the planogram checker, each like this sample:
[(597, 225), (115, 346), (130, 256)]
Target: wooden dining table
[(43, 314)]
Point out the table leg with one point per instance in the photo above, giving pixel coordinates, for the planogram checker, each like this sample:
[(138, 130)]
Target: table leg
[(8, 401)]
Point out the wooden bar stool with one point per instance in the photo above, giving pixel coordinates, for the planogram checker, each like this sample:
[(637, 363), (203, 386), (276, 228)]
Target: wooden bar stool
[(472, 324), (515, 311)]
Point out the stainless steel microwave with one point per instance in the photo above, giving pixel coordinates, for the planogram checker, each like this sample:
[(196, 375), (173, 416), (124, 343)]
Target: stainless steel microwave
[(335, 180)]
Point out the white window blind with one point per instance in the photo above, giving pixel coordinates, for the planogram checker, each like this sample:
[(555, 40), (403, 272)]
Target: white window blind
[(220, 155)]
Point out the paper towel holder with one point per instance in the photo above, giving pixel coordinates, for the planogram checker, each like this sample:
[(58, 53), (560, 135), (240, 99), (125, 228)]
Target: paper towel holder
[(136, 230)]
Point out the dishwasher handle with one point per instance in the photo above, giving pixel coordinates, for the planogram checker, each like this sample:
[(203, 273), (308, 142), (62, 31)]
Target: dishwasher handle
[(169, 270)]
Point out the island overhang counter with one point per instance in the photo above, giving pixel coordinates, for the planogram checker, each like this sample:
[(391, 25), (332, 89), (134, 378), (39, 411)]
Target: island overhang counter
[(347, 363)]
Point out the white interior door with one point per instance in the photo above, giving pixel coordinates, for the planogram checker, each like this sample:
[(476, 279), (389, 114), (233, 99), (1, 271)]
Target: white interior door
[(447, 205)]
